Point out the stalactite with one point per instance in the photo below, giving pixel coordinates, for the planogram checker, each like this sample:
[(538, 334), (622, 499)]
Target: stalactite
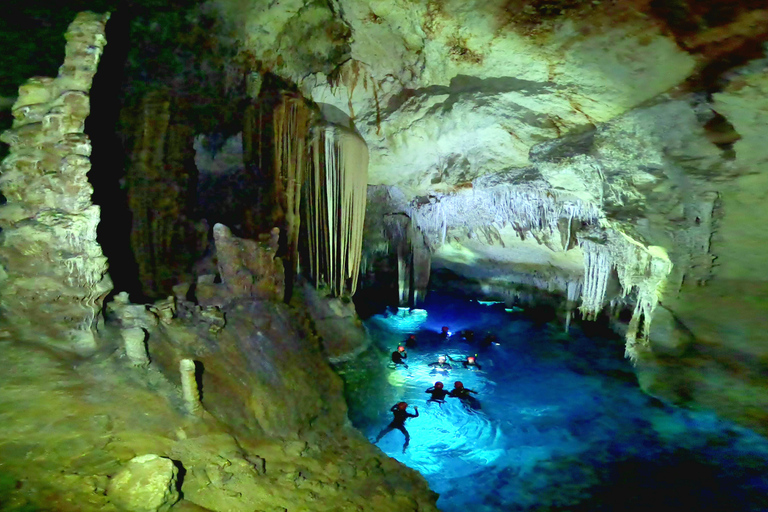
[(291, 121), (160, 182), (422, 262), (597, 268), (336, 198)]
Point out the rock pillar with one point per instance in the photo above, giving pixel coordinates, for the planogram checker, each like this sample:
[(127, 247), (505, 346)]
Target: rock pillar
[(52, 268)]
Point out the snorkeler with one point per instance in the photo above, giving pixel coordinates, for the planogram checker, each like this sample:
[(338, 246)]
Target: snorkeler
[(438, 393), (470, 363), (445, 333), (464, 394), (410, 342), (399, 356), (398, 422), (441, 365)]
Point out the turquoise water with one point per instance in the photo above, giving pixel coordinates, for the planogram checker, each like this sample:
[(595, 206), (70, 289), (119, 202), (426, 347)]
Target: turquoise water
[(563, 424)]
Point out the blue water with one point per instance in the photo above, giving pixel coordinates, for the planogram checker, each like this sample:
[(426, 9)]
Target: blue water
[(563, 424)]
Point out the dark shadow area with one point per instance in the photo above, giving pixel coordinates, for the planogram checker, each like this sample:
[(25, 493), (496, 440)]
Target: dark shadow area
[(109, 158)]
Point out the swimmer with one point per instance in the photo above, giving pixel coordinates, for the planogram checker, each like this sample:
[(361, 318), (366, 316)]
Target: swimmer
[(410, 342), (398, 422), (470, 363), (445, 333), (399, 356), (463, 394), (438, 393), (441, 364)]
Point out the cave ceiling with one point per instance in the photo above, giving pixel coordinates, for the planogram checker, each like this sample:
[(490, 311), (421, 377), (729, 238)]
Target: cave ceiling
[(602, 110)]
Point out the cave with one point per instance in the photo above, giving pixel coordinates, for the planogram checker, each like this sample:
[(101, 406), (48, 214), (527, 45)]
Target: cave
[(242, 241)]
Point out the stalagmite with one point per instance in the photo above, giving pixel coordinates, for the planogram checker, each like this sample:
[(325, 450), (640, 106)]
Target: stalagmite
[(189, 391), (53, 264), (135, 347)]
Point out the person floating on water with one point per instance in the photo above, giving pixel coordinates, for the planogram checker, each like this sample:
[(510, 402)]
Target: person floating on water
[(438, 393), (410, 342), (469, 363), (398, 422), (465, 395), (399, 356), (441, 365), (445, 333)]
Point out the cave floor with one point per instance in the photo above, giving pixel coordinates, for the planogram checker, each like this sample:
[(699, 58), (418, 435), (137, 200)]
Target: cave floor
[(563, 424)]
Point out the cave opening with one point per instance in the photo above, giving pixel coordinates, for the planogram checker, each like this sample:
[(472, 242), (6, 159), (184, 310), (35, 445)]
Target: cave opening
[(562, 423)]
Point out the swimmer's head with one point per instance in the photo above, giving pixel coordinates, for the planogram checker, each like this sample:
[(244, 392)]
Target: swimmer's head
[(439, 385), (402, 405), (458, 384), (445, 329), (401, 349), (441, 359), (471, 360), (412, 337)]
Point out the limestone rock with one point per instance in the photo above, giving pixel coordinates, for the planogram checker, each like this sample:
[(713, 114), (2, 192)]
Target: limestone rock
[(148, 483), (248, 268), (49, 252)]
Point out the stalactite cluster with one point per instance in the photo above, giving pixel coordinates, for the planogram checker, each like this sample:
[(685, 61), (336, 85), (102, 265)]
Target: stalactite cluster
[(336, 198), (161, 181), (53, 265), (290, 122), (597, 269)]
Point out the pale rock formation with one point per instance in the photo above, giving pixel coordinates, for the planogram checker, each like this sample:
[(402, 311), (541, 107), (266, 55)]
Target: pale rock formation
[(147, 483), (53, 265), (135, 346), (248, 268)]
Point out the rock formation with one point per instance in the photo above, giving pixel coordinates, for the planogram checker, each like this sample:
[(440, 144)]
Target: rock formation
[(53, 271)]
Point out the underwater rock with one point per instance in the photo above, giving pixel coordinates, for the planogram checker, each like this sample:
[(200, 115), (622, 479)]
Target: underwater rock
[(146, 484)]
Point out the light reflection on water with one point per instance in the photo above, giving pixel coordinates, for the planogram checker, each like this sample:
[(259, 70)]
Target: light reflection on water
[(563, 425)]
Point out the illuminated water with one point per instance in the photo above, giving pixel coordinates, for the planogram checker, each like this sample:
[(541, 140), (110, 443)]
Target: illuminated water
[(563, 425)]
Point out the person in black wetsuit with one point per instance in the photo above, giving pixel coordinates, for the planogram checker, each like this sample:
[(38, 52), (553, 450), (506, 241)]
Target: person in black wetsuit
[(438, 393), (470, 363), (410, 342), (398, 422), (465, 395), (441, 365), (399, 356), (445, 333)]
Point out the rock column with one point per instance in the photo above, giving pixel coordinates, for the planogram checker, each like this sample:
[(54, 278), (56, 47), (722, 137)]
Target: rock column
[(52, 268)]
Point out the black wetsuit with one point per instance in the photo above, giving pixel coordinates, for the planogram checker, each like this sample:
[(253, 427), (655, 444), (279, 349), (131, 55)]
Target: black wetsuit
[(462, 393), (465, 395), (398, 422), (410, 343), (398, 358), (438, 394)]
